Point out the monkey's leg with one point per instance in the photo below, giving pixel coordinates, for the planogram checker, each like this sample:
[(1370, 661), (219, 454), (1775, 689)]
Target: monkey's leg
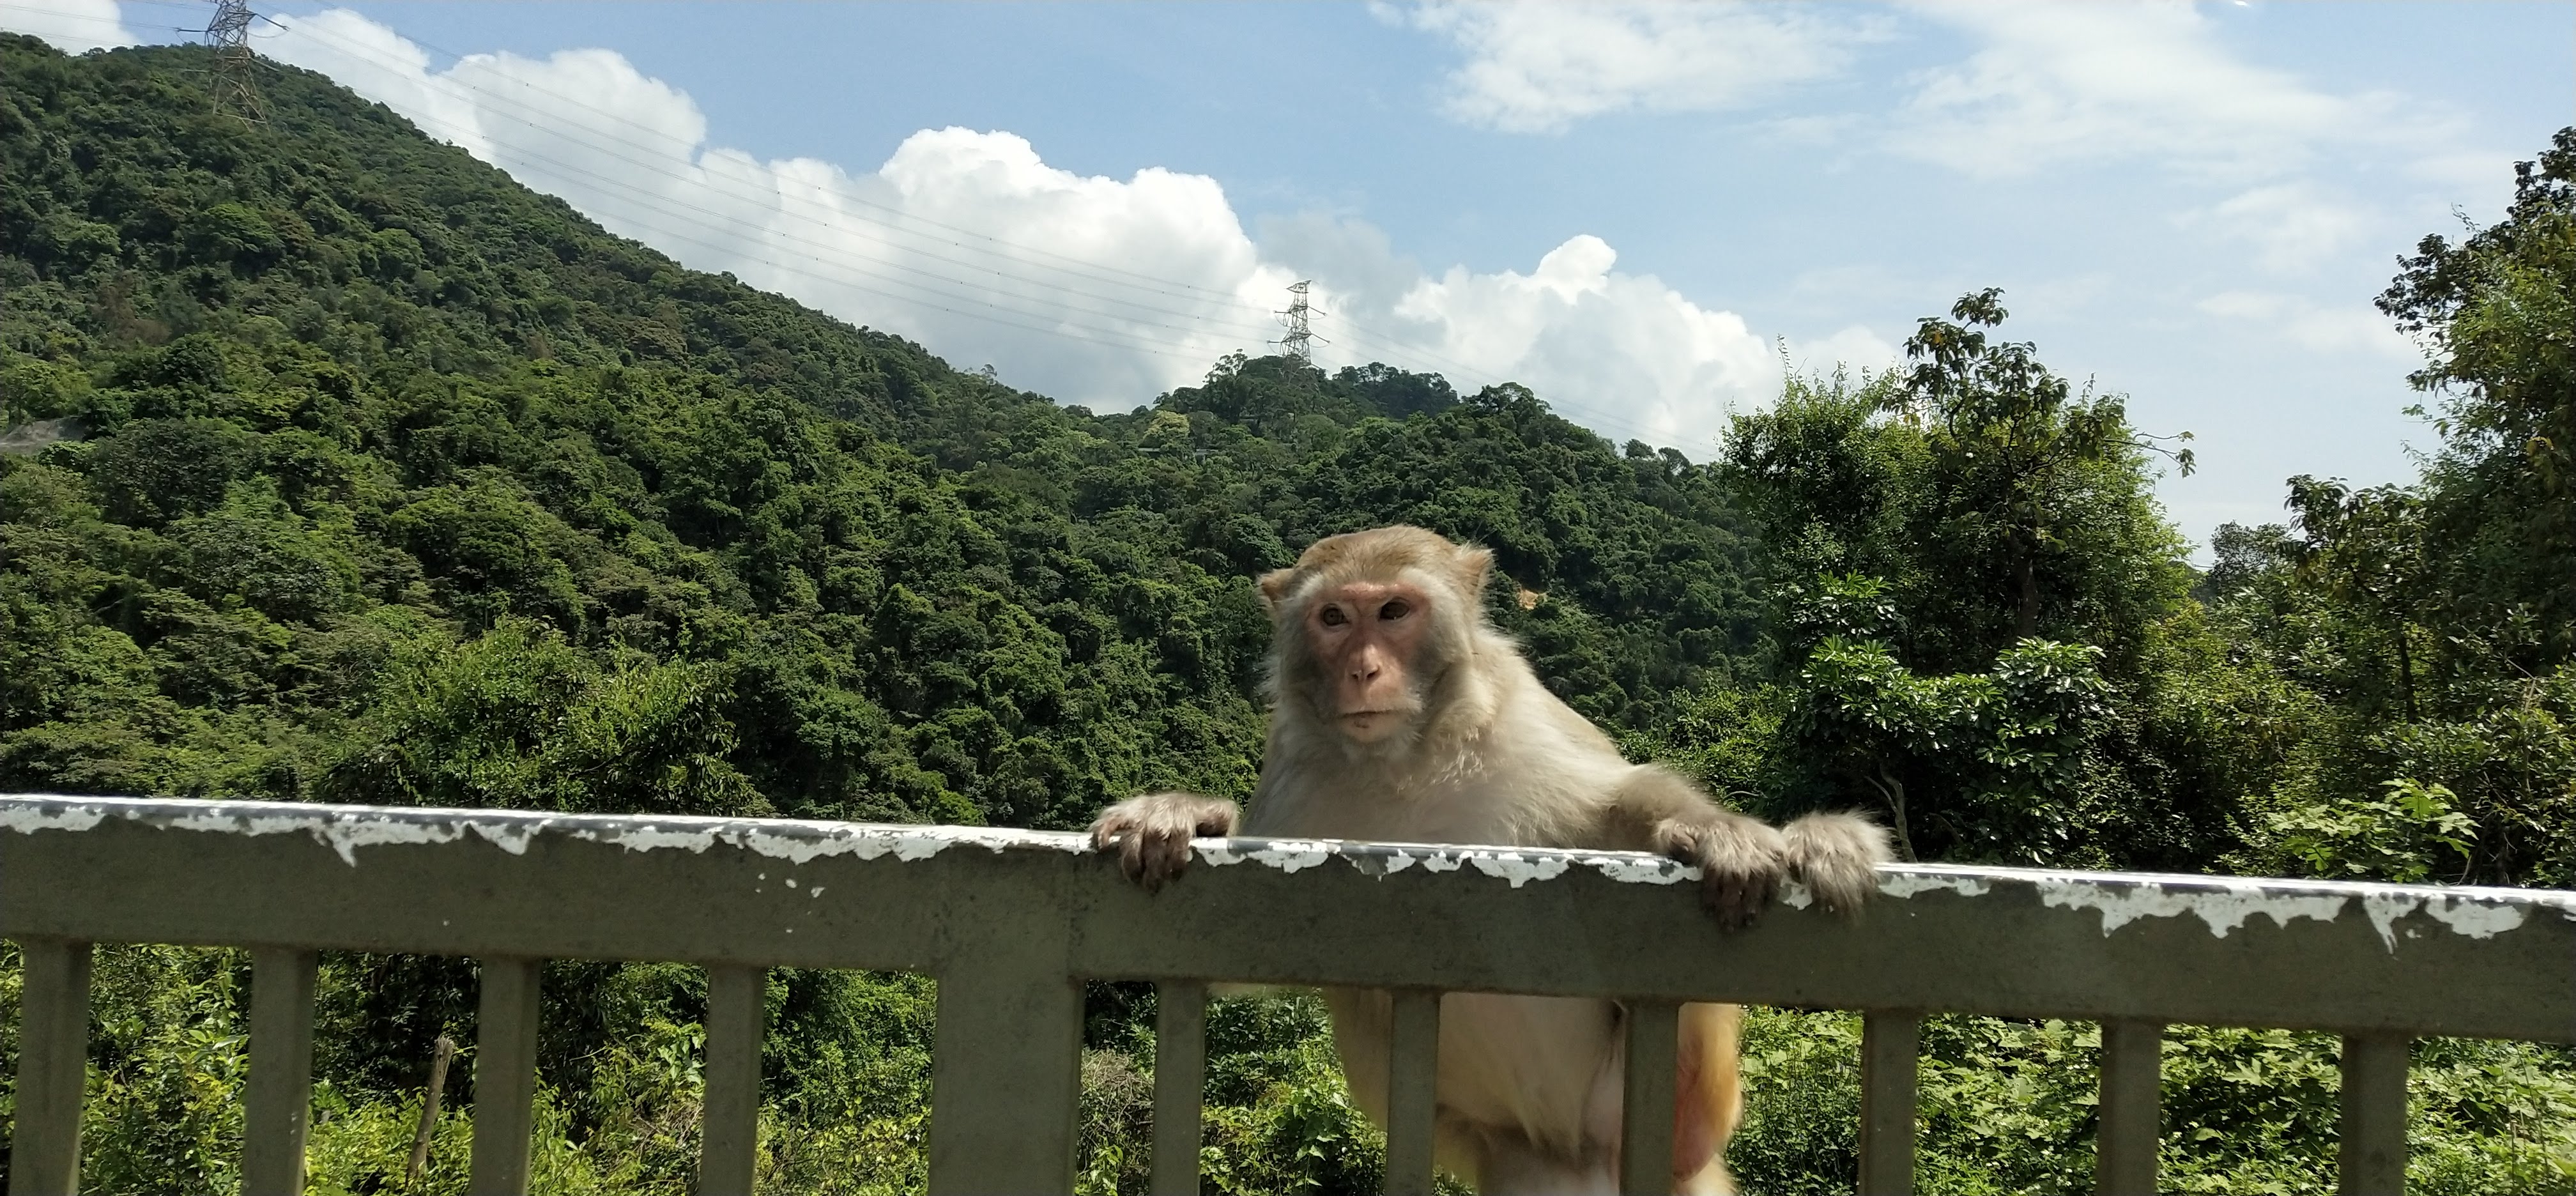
[(1509, 1164), (1708, 1100)]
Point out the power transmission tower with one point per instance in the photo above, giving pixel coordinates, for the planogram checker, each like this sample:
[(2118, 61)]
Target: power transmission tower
[(1296, 343), (229, 33)]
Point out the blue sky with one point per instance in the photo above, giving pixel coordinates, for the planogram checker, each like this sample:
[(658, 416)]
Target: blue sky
[(1628, 207)]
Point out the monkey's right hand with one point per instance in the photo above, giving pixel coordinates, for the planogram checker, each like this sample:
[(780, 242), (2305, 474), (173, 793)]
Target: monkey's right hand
[(1152, 833)]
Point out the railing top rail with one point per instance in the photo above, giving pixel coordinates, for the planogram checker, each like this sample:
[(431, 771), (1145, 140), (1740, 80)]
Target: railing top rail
[(2333, 955), (347, 827)]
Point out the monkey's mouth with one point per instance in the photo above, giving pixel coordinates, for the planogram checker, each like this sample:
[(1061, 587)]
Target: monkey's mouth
[(1370, 726)]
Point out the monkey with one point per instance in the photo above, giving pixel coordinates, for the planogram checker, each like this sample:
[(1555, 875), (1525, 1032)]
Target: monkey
[(1400, 713)]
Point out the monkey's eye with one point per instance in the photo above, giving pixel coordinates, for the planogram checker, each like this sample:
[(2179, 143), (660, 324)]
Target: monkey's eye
[(1333, 617), (1394, 610)]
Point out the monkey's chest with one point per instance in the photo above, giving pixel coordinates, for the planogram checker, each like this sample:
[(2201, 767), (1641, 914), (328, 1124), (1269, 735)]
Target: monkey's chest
[(1538, 1066)]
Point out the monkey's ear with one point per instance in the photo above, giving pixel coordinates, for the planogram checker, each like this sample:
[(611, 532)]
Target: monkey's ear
[(1274, 586), (1471, 567)]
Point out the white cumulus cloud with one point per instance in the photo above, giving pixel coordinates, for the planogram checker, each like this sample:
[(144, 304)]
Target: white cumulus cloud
[(1537, 67), (2292, 227), (1093, 289), (72, 26), (2317, 328), (1633, 348), (2101, 81)]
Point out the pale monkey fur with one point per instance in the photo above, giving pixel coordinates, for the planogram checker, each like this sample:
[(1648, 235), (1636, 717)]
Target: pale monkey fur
[(1529, 1088)]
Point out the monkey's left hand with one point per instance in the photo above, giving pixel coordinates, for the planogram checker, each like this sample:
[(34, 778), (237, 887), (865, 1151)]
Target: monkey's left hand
[(1740, 860), (1837, 855), (1152, 833)]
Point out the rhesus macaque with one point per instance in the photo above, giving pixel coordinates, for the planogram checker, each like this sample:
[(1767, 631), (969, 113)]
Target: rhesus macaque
[(1399, 713)]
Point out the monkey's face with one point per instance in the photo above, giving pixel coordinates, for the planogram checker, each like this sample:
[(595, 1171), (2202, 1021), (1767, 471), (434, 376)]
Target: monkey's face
[(1367, 638)]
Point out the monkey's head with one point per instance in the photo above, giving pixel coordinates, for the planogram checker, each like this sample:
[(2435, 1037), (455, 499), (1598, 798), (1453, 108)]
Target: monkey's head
[(1367, 625)]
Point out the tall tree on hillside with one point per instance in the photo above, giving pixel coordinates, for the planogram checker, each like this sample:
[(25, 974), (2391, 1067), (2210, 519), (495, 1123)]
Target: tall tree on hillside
[(2019, 464), (2498, 313), (2435, 622), (1975, 573)]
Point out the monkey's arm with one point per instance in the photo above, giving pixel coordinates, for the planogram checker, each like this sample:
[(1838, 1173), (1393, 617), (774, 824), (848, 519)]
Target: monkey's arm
[(1741, 860), (1152, 833)]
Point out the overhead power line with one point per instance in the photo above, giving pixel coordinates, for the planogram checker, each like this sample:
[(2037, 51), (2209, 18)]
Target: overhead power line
[(841, 222), (942, 289), (1075, 264)]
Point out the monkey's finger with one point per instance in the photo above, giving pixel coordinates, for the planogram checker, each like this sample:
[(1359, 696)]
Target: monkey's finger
[(1149, 854), (1678, 839), (1841, 882), (1736, 896), (1719, 896), (1131, 857), (1172, 852), (1759, 889)]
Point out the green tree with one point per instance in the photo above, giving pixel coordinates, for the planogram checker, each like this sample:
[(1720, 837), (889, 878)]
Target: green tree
[(1978, 586), (2495, 312)]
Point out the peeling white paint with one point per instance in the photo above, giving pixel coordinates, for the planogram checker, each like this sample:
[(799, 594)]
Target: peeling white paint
[(1516, 866), (1284, 854), (1635, 869), (342, 833), (29, 818), (2222, 904), (1518, 869), (346, 828), (513, 836), (2476, 917), (2384, 909), (1911, 884)]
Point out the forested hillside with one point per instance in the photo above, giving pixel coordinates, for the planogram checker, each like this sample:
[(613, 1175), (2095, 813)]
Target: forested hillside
[(336, 466)]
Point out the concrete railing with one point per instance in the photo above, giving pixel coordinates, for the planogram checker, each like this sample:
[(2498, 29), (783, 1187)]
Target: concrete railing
[(1011, 923)]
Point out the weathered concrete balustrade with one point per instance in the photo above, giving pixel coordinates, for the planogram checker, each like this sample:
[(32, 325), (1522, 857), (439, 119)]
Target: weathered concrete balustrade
[(1012, 922)]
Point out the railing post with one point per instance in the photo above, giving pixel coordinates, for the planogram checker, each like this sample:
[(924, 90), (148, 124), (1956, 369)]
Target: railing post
[(1646, 1108), (2132, 1115), (1890, 1044), (2371, 1157), (505, 1076), (1005, 1078), (277, 1109), (53, 1068), (737, 1013), (1180, 1084), (1412, 1087)]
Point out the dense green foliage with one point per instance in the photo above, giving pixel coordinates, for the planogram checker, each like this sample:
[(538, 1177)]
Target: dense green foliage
[(333, 465), (1900, 510), (380, 478)]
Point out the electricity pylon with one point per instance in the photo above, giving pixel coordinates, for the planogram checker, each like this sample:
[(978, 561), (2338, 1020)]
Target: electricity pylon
[(1296, 343), (229, 33)]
